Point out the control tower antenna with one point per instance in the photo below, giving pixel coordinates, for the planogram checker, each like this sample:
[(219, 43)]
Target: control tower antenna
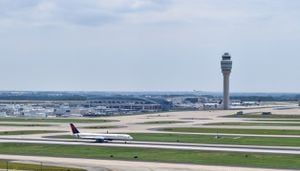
[(226, 66)]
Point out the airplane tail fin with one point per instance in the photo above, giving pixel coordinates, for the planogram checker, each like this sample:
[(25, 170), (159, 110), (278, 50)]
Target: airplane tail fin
[(74, 129)]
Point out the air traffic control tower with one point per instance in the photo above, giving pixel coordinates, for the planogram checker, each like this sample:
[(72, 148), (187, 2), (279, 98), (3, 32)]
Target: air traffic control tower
[(226, 65)]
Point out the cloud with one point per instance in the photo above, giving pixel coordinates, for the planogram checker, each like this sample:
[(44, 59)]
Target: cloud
[(57, 42), (101, 12), (95, 13), (76, 12)]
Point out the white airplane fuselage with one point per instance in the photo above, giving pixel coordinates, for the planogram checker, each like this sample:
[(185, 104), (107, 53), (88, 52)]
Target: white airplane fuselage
[(103, 137), (99, 137)]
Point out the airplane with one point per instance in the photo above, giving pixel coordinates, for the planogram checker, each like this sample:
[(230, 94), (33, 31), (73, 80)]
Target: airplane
[(99, 137)]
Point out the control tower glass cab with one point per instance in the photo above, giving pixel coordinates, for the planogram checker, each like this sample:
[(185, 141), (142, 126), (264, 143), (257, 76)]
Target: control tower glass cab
[(226, 63), (226, 66)]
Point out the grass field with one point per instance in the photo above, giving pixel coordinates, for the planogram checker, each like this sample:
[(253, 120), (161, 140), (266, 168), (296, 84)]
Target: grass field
[(276, 120), (252, 124), (24, 124), (27, 132), (101, 127), (259, 115), (234, 131), (283, 161), (55, 120), (195, 118), (38, 167), (162, 122), (207, 139)]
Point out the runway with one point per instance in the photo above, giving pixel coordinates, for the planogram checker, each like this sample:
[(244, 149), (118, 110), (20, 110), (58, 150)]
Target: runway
[(158, 145)]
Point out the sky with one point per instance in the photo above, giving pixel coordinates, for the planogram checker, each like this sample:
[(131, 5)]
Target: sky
[(149, 45)]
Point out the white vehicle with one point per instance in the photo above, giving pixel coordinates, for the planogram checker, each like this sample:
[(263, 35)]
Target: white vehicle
[(99, 137)]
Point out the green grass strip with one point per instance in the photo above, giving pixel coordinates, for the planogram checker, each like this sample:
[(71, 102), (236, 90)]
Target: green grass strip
[(210, 139), (259, 115), (162, 122), (23, 166), (207, 139), (101, 127), (24, 124), (27, 132), (233, 131), (56, 120), (276, 120), (282, 161), (252, 124)]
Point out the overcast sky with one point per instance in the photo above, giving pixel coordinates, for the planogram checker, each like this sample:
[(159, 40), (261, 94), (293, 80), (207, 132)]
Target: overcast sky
[(149, 45)]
